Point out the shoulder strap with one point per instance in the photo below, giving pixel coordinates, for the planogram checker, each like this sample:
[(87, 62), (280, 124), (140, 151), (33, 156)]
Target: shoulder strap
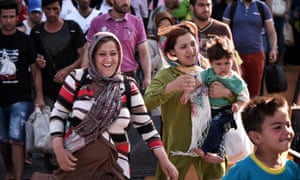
[(127, 92), (84, 80), (231, 13), (37, 33), (259, 7), (261, 10), (72, 30)]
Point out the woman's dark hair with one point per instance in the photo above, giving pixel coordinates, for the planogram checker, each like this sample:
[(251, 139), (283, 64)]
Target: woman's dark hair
[(48, 2), (9, 4), (161, 16), (172, 37)]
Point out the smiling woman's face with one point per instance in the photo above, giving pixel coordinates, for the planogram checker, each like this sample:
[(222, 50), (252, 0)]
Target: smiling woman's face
[(106, 58)]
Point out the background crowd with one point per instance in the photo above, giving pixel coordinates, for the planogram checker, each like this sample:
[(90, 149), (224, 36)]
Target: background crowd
[(160, 45)]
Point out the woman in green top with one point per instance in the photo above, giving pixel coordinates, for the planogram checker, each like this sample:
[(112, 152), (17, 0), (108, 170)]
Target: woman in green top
[(179, 134)]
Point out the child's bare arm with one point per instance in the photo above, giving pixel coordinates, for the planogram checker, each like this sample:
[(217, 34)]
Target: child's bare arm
[(237, 106)]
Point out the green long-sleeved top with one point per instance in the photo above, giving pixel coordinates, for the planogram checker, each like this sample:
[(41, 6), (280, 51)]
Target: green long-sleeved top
[(176, 120)]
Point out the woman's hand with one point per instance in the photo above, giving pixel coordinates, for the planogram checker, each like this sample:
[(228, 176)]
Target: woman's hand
[(169, 169), (65, 159), (218, 90), (60, 76), (166, 165), (182, 83)]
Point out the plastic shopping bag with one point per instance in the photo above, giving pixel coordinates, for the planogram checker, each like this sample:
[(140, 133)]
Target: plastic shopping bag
[(38, 138), (236, 142)]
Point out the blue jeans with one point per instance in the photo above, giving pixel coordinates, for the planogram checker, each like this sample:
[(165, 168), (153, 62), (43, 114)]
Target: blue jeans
[(12, 122), (222, 121)]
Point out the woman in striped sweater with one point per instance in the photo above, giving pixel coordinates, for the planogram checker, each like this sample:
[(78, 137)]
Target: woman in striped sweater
[(94, 102)]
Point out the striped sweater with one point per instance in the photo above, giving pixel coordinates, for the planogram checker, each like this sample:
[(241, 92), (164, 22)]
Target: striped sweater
[(66, 105)]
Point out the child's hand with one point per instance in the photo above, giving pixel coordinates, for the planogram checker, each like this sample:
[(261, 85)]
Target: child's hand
[(235, 107), (185, 97)]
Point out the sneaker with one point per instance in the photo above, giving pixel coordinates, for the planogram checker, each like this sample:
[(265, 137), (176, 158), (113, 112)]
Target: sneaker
[(28, 159)]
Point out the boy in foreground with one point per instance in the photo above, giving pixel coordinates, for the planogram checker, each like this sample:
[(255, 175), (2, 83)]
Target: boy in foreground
[(268, 126)]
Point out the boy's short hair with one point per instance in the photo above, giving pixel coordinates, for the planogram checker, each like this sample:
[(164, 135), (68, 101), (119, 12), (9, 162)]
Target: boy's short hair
[(9, 4), (48, 2), (257, 109)]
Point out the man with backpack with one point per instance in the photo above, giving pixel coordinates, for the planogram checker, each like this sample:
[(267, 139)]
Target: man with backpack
[(248, 19), (60, 44)]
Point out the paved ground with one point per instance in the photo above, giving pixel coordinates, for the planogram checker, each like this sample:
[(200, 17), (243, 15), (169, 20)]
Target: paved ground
[(37, 165)]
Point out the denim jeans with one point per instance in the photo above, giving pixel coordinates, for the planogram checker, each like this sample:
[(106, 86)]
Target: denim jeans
[(12, 122), (221, 118)]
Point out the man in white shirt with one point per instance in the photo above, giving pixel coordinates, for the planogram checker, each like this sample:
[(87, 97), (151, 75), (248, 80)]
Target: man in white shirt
[(83, 15)]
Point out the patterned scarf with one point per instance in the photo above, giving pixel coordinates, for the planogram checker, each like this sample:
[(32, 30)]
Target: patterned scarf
[(107, 104)]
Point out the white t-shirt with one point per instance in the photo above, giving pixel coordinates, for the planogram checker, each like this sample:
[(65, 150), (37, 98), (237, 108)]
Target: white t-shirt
[(83, 22), (67, 8)]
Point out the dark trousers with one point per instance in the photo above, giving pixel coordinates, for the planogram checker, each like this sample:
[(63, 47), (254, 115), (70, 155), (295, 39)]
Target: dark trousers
[(222, 121)]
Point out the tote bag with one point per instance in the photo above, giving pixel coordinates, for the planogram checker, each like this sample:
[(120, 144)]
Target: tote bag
[(288, 34)]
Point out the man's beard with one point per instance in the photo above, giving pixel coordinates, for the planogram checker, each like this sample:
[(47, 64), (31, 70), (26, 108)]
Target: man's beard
[(200, 18), (120, 10)]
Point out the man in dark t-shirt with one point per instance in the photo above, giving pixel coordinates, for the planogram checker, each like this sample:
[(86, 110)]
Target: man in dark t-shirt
[(59, 43), (17, 67)]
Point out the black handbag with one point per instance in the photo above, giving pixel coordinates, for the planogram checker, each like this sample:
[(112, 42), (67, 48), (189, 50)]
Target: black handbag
[(275, 78)]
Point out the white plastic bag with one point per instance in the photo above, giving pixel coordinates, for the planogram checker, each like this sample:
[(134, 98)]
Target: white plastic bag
[(7, 67), (278, 7), (236, 142), (38, 138)]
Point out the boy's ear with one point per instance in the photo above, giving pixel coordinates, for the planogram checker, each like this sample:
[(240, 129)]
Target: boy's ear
[(254, 137)]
